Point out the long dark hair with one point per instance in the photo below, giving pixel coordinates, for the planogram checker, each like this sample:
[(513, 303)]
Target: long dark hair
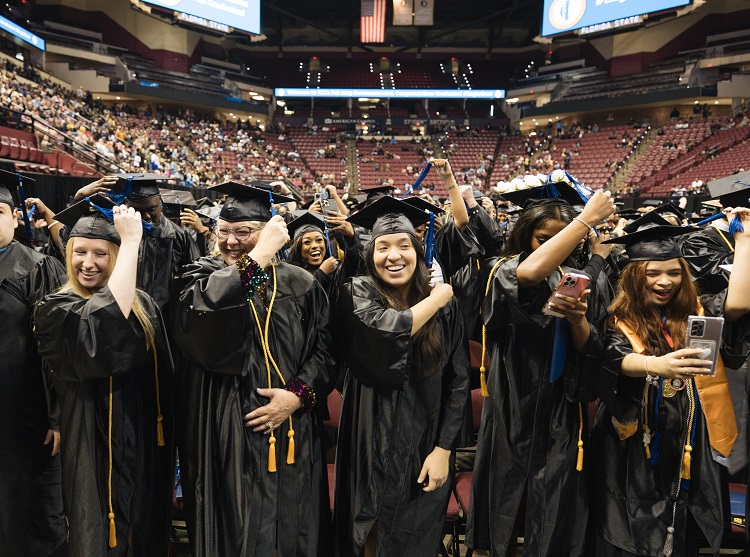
[(535, 216), (644, 317), (428, 341)]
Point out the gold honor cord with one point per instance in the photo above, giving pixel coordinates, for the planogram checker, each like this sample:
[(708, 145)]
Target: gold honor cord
[(482, 369), (269, 360)]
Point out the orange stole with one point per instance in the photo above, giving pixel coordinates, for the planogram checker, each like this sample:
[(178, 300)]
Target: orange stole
[(716, 400)]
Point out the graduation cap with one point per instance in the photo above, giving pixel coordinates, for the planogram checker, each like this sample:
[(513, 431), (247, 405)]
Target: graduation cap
[(420, 203), (136, 187), (247, 202), (731, 191), (374, 193), (304, 223), (651, 218), (650, 241), (559, 190), (629, 214), (652, 203), (670, 209), (204, 202), (91, 218), (10, 182), (389, 216), (175, 200)]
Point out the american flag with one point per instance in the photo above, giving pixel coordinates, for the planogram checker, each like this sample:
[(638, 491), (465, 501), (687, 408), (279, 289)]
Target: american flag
[(372, 22)]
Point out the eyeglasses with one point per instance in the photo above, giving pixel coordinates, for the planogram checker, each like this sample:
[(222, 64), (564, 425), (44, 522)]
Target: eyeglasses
[(242, 233), (604, 229)]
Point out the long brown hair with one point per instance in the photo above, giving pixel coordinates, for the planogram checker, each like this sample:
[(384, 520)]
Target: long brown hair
[(73, 285), (644, 317), (429, 339)]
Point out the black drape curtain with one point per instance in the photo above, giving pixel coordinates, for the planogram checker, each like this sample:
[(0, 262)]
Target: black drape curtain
[(56, 191)]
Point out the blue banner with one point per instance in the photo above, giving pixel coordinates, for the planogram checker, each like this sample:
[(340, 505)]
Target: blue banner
[(240, 14), (26, 36)]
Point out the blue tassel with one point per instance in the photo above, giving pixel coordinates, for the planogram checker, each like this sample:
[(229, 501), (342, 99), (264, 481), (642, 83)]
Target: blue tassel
[(559, 350), (125, 195), (22, 194), (551, 191), (655, 441), (147, 226), (430, 249), (685, 485), (712, 218), (736, 226), (422, 176)]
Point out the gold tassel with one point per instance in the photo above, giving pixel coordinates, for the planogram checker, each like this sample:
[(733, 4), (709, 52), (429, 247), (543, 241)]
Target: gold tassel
[(483, 382), (272, 453), (579, 462), (686, 462), (160, 431), (290, 451), (648, 452), (112, 531)]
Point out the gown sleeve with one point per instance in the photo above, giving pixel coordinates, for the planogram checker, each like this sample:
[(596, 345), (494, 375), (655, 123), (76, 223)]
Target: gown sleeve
[(704, 255), (508, 304), (376, 340), (620, 393), (455, 381), (735, 346), (212, 320), (454, 248), (88, 339), (488, 234)]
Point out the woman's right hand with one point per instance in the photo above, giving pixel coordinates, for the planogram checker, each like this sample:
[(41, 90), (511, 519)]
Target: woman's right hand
[(128, 224), (598, 208), (442, 294), (679, 364), (102, 185)]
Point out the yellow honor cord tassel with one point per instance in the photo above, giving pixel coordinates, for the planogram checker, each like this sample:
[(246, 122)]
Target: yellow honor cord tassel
[(290, 451), (272, 453), (579, 462), (112, 531), (686, 457), (160, 431), (483, 382), (648, 452)]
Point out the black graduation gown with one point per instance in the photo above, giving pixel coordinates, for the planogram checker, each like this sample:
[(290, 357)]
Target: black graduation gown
[(704, 251), (85, 343), (631, 498), (528, 435), (162, 254), (486, 238), (28, 408), (234, 505), (391, 420), (351, 265)]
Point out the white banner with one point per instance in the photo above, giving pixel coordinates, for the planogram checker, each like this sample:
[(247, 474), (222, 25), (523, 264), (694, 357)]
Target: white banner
[(423, 11), (402, 12)]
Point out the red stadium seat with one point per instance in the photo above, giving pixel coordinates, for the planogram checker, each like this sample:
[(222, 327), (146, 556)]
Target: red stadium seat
[(24, 150), (15, 148), (4, 146)]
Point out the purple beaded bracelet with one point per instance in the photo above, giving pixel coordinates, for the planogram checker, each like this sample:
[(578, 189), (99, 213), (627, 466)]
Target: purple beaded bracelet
[(304, 392)]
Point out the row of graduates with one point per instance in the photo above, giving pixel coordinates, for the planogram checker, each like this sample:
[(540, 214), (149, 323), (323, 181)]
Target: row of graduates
[(254, 361)]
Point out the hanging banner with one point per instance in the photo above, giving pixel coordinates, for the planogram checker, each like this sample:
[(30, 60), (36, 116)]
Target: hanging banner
[(402, 12)]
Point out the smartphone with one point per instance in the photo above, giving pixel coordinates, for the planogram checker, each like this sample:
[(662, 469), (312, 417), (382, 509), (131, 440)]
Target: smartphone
[(705, 333), (325, 203), (572, 285)]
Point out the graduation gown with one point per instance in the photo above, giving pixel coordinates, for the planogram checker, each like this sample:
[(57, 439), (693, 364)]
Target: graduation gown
[(632, 498), (28, 408), (234, 505), (87, 344), (527, 444), (704, 252), (162, 254), (391, 420)]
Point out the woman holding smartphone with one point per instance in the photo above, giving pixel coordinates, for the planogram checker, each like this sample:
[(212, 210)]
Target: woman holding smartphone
[(405, 394), (664, 423), (530, 446)]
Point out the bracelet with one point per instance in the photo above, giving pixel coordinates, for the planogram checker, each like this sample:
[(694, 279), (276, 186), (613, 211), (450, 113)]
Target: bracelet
[(306, 395), (54, 222), (251, 276), (584, 223), (645, 364)]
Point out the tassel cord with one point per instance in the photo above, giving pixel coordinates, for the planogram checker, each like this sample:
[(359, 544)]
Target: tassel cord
[(482, 368)]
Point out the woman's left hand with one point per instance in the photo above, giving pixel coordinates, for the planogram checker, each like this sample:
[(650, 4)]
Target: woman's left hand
[(435, 469), (573, 309), (282, 405), (337, 222), (743, 213)]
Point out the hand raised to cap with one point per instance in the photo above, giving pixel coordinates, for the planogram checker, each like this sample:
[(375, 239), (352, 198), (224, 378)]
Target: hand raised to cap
[(598, 207), (127, 223)]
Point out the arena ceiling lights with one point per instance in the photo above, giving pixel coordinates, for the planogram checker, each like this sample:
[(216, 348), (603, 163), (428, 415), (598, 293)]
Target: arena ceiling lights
[(489, 94)]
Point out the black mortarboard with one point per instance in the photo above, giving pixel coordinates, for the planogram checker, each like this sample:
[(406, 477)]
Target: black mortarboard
[(652, 218), (136, 186), (420, 203), (651, 203), (629, 214), (175, 200), (559, 190), (245, 203), (652, 242), (670, 209), (731, 191), (204, 202), (304, 223), (376, 192), (10, 182), (90, 218), (389, 216)]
